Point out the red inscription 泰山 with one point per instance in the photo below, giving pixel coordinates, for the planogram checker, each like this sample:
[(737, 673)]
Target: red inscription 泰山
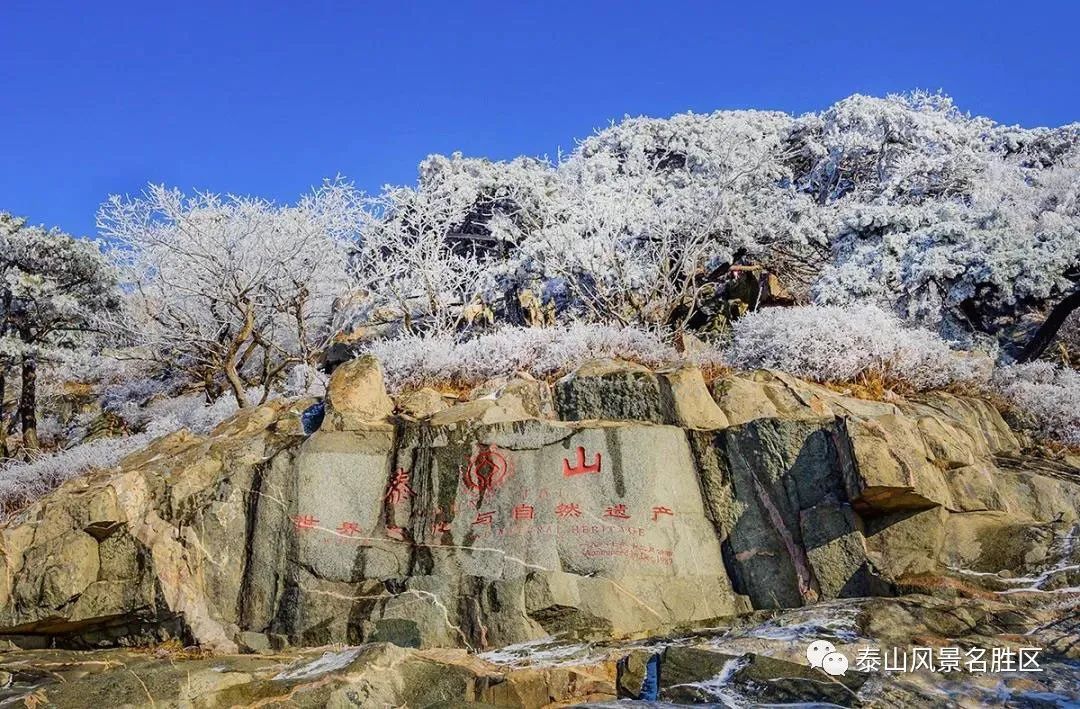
[(617, 511), (487, 470), (580, 468), (399, 489), (567, 509)]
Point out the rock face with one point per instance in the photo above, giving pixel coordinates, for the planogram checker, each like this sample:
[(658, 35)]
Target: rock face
[(756, 661), (422, 404), (487, 535), (650, 505), (356, 394), (609, 389)]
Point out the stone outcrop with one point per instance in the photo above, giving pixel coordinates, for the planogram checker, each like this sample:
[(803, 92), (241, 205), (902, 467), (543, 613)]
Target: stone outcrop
[(609, 389), (753, 661), (356, 395), (534, 396), (648, 503), (422, 403)]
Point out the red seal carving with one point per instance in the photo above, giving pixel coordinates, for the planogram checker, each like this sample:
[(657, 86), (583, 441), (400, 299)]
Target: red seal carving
[(487, 470)]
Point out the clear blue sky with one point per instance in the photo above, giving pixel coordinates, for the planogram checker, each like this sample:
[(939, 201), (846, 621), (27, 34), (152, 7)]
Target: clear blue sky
[(270, 97)]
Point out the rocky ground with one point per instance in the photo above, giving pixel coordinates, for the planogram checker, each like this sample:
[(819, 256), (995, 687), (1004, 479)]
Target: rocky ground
[(536, 544), (755, 659)]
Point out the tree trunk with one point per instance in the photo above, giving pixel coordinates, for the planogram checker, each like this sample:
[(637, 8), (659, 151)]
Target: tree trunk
[(231, 373), (3, 426), (211, 390), (28, 403), (1046, 332)]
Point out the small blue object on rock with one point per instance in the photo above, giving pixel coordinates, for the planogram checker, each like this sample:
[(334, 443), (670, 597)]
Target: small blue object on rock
[(650, 688), (312, 417)]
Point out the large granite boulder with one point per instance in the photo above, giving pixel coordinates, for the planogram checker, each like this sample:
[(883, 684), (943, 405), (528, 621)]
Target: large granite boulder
[(687, 401), (609, 389), (422, 403), (483, 535), (776, 491), (356, 395), (154, 549), (614, 390), (534, 396)]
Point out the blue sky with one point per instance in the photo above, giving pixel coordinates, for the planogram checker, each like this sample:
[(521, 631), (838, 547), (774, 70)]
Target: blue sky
[(270, 97)]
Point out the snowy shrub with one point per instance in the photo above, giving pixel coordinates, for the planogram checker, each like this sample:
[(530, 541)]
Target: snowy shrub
[(304, 380), (411, 362), (1048, 395), (23, 482), (126, 398), (1068, 341), (833, 343), (189, 411), (51, 430)]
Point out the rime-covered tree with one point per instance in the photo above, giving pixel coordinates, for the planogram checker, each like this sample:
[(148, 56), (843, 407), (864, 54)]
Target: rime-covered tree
[(53, 290), (428, 253), (965, 225), (231, 290), (958, 222), (653, 211)]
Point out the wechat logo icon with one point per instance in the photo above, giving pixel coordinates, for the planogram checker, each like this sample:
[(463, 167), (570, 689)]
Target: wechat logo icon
[(822, 654)]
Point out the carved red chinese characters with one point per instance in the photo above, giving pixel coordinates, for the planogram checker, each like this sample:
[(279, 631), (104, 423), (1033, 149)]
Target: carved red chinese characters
[(399, 489), (484, 518), (348, 529), (617, 511), (567, 509), (301, 522), (657, 511), (580, 467)]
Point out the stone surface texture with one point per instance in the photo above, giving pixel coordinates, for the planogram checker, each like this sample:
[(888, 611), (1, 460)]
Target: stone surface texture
[(619, 503)]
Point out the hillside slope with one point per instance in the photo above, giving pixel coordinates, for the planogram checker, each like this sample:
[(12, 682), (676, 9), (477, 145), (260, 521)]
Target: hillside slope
[(618, 503)]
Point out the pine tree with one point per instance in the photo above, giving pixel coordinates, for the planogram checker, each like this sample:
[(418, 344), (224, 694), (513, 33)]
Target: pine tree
[(53, 289)]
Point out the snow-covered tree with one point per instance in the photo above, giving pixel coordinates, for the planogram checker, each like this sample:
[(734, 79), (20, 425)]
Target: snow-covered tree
[(430, 252), (231, 290), (53, 290), (653, 211), (631, 227), (961, 224), (958, 222)]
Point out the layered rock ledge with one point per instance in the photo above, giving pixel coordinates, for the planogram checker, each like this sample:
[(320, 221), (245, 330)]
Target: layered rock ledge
[(616, 503)]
